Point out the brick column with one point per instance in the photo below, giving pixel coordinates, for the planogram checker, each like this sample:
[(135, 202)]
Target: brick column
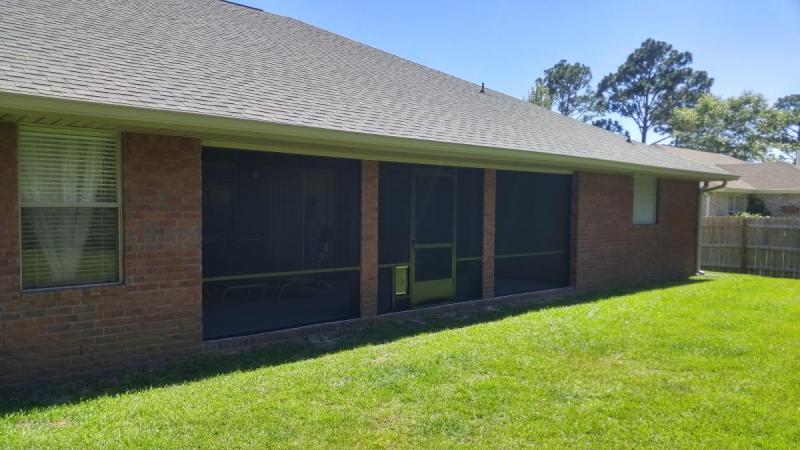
[(489, 193), (369, 238), (10, 307), (9, 220)]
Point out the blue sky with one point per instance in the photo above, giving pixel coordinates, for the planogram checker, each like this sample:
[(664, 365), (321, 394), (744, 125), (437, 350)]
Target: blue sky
[(744, 45)]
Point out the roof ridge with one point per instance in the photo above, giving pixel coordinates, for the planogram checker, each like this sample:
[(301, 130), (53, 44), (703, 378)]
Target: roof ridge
[(242, 5)]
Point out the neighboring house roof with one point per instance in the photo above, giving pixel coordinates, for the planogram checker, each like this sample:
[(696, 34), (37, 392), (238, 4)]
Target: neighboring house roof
[(768, 177), (221, 60)]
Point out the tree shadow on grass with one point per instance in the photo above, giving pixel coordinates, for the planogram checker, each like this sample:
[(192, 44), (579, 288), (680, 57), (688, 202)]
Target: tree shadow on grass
[(201, 367)]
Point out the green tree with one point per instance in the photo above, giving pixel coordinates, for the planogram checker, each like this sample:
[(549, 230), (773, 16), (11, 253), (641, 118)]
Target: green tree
[(540, 95), (757, 207), (653, 82), (609, 125), (743, 127), (789, 137), (571, 91)]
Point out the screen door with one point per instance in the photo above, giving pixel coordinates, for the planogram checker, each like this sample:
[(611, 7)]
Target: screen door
[(433, 236)]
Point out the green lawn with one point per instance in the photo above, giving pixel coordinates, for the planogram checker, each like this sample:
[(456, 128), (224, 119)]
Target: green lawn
[(708, 364)]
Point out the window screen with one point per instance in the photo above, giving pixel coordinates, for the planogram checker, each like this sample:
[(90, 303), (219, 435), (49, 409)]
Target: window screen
[(645, 200), (69, 205)]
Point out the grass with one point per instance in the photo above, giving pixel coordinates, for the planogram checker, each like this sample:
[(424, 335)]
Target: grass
[(705, 364)]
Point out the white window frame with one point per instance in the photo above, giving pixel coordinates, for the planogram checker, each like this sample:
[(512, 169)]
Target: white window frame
[(735, 203), (117, 204), (637, 180)]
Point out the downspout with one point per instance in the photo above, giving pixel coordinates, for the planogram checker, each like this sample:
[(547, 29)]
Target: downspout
[(700, 192)]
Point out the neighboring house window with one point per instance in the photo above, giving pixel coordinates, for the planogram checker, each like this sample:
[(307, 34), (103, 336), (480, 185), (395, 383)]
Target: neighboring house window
[(736, 204), (645, 200), (69, 208)]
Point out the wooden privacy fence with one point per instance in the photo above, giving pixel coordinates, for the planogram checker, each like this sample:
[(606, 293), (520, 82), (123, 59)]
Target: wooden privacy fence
[(756, 245)]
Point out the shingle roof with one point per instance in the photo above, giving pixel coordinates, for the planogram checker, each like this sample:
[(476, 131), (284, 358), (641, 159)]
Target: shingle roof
[(704, 157), (770, 176), (215, 58)]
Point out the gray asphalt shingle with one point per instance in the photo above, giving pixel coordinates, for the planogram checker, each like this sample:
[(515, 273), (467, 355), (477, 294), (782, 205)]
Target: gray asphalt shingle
[(768, 176), (709, 158), (764, 177), (215, 58)]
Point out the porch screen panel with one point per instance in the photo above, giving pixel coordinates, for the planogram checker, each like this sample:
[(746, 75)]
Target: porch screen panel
[(533, 220), (395, 212), (281, 241), (469, 234), (394, 232)]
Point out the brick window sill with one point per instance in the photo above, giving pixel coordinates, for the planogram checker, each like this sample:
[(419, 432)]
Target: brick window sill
[(71, 290)]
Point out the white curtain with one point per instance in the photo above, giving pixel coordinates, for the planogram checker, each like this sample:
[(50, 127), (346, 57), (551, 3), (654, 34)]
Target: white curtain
[(62, 231)]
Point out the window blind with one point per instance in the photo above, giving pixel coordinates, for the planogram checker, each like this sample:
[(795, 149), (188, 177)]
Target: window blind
[(645, 200), (69, 205)]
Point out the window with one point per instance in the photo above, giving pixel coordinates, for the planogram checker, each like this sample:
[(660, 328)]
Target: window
[(69, 208), (736, 204), (645, 200)]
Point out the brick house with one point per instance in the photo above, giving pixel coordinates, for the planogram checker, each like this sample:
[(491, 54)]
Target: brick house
[(193, 177), (777, 184)]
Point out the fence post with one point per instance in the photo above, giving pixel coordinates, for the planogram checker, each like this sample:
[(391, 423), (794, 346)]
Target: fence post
[(743, 253)]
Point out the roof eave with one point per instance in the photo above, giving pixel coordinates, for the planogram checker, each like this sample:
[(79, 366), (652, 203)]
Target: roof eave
[(371, 146), (760, 191)]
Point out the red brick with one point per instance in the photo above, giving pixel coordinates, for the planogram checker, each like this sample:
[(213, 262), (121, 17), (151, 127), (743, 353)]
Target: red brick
[(369, 238), (101, 325), (609, 250), (489, 199)]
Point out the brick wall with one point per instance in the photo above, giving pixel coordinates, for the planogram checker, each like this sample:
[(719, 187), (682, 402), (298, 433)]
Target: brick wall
[(489, 202), (9, 256), (781, 205), (369, 238), (154, 315), (611, 251)]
